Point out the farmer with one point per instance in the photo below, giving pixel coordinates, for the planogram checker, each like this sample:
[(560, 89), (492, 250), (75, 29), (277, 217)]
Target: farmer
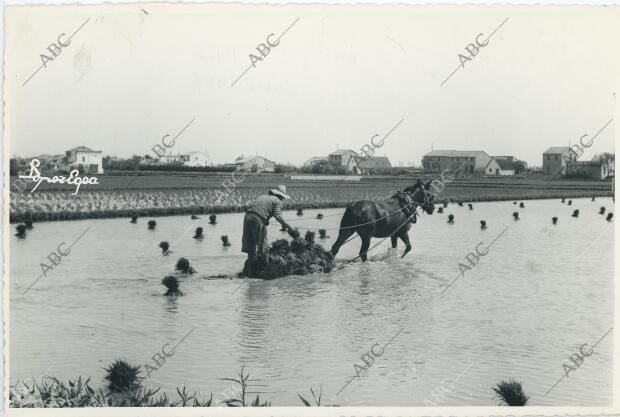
[(256, 220)]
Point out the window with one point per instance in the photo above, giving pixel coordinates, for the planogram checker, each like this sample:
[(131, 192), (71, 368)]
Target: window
[(556, 157), (83, 159)]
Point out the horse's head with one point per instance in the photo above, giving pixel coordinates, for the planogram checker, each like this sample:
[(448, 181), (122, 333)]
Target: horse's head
[(423, 197)]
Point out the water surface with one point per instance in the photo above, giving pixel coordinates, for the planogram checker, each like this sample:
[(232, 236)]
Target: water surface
[(539, 293)]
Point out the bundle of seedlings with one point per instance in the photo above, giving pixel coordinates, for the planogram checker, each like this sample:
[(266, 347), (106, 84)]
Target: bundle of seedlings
[(511, 393), (172, 284), (152, 224), (198, 234), (300, 257), (225, 241), (165, 247), (21, 231), (184, 267)]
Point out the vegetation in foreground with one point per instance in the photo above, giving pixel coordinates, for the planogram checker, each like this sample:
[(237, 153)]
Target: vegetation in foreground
[(511, 393), (124, 387)]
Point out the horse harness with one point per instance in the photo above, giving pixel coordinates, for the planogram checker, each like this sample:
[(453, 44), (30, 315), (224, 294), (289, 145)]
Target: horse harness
[(407, 204)]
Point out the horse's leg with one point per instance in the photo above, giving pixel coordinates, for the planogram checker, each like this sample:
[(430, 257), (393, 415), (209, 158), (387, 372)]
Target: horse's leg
[(404, 236), (394, 241), (365, 235), (346, 230), (342, 237)]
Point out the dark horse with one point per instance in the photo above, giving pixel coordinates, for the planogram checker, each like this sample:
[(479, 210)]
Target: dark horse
[(383, 219)]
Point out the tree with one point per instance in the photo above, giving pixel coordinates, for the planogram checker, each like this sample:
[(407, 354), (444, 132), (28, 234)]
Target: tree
[(520, 166), (606, 157)]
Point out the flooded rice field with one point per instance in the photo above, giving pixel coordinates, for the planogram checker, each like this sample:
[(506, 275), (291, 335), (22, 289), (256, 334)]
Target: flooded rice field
[(519, 312)]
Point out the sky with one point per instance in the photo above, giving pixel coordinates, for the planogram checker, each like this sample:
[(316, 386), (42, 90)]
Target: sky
[(339, 76)]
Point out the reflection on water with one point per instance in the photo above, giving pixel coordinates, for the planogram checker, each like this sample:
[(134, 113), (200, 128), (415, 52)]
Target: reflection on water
[(540, 293)]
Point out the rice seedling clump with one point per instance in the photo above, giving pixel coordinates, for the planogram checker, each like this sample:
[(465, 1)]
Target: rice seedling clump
[(299, 257), (184, 267)]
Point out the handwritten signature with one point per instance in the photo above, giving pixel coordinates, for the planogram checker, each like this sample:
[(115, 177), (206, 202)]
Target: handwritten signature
[(73, 178)]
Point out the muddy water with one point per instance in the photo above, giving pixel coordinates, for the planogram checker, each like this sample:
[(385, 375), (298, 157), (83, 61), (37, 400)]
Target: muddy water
[(539, 293)]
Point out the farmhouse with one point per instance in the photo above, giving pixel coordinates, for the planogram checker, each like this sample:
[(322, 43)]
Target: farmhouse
[(85, 160), (371, 164), (345, 158), (469, 162), (556, 158), (595, 170), (189, 159), (500, 166), (315, 160), (254, 164)]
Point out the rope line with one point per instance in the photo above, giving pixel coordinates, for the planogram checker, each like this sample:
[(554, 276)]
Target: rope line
[(358, 225), (375, 245)]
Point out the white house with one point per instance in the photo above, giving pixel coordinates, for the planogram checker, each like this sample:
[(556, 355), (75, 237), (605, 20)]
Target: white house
[(189, 159), (345, 158), (254, 163), (500, 166), (85, 160)]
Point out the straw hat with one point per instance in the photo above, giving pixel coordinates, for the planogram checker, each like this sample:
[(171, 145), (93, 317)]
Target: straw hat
[(281, 191)]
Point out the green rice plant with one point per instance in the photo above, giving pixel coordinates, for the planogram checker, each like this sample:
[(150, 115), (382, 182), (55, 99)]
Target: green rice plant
[(165, 246), (121, 376), (198, 234), (510, 393), (243, 380), (21, 231), (172, 284), (184, 267), (317, 399), (309, 236)]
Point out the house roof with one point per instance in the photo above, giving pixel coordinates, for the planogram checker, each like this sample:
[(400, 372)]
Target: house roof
[(342, 152), (315, 159), (373, 162), (242, 160), (505, 164), (455, 154), (82, 149), (554, 150)]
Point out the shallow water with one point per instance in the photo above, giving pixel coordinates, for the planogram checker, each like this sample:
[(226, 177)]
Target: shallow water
[(539, 293)]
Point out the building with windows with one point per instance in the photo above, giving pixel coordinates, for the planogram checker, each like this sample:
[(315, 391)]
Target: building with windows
[(85, 160), (466, 162), (189, 159), (345, 158), (556, 158)]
